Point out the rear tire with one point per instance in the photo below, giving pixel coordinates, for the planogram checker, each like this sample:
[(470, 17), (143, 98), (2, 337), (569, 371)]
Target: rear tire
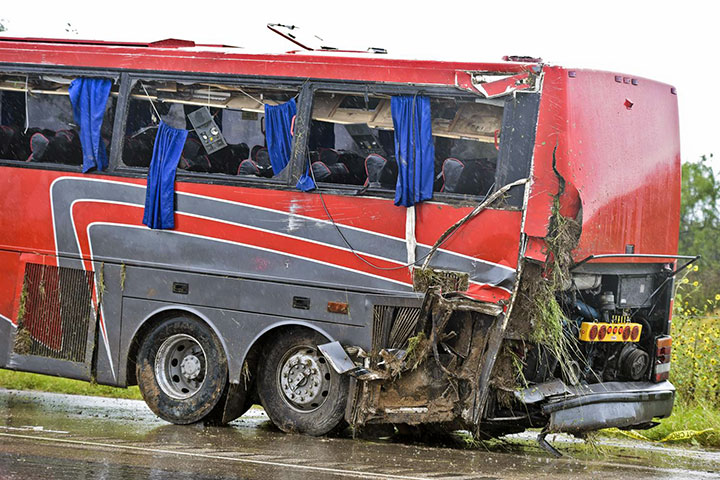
[(182, 371), (298, 388)]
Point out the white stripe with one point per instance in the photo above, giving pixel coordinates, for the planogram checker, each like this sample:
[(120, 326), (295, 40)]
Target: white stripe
[(3, 317), (662, 368), (227, 222), (258, 229), (282, 212), (280, 252), (337, 471)]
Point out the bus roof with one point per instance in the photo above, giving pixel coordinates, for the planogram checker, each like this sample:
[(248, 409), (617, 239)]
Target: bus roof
[(187, 56)]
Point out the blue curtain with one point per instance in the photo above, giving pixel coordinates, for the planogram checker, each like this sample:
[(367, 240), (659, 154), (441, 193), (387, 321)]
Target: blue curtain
[(160, 192), (89, 97), (414, 149), (278, 122)]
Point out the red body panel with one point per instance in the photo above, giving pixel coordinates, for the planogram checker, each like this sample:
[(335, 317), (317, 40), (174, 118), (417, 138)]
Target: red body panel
[(364, 68), (493, 237), (616, 145)]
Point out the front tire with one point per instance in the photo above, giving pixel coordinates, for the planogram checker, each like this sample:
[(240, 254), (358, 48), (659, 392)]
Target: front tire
[(297, 387), (182, 371)]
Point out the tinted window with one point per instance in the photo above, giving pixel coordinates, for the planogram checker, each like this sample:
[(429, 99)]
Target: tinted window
[(225, 124), (37, 123), (352, 142)]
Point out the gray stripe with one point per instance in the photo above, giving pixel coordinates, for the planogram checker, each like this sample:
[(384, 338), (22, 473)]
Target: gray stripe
[(68, 189)]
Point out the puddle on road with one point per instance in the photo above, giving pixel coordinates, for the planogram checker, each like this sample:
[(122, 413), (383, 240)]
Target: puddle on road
[(130, 424)]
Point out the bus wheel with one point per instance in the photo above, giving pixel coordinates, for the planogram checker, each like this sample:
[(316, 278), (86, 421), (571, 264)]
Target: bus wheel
[(182, 371), (297, 387)]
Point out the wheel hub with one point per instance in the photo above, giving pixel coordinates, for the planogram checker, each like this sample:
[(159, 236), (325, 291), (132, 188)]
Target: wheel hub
[(180, 366), (304, 379), (190, 367)]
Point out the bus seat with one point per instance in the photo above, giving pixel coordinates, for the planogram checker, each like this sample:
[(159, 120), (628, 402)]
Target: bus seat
[(470, 177), (193, 157), (248, 167), (321, 172), (38, 146), (254, 151), (328, 156), (452, 171), (334, 173), (262, 157), (355, 165), (380, 172)]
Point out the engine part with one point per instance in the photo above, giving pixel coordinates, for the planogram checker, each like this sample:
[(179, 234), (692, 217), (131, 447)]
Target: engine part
[(587, 312), (607, 304), (633, 362)]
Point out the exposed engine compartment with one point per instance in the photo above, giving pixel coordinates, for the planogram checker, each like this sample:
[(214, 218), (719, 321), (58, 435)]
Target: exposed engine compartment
[(612, 320)]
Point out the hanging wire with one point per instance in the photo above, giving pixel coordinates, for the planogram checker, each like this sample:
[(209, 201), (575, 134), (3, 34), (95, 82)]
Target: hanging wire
[(27, 109), (151, 102), (250, 96), (441, 240)]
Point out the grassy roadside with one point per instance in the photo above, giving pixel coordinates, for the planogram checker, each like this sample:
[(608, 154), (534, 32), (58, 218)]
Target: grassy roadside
[(682, 427), (33, 381), (684, 418)]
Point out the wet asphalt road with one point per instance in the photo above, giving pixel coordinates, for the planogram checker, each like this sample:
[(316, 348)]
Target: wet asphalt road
[(50, 436)]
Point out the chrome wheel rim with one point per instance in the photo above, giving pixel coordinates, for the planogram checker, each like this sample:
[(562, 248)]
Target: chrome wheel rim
[(304, 379), (180, 366)]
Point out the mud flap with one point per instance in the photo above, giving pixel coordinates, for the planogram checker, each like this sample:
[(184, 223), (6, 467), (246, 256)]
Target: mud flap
[(236, 402)]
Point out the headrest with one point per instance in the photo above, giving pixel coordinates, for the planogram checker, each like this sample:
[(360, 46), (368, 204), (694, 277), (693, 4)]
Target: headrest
[(248, 167), (374, 165), (254, 151), (38, 145), (262, 157), (321, 172), (452, 170)]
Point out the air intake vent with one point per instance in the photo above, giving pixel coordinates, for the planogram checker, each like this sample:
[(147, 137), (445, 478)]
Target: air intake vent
[(55, 313), (393, 326)]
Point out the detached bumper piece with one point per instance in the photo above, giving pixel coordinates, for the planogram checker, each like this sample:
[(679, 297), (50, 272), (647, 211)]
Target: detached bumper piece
[(602, 405)]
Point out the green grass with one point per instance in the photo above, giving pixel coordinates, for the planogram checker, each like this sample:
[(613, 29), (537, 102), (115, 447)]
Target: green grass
[(685, 419), (33, 381)]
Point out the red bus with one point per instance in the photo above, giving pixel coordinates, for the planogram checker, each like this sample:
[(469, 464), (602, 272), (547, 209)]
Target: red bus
[(344, 238)]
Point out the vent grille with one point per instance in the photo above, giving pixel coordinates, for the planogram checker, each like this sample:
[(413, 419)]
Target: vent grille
[(393, 326), (55, 312)]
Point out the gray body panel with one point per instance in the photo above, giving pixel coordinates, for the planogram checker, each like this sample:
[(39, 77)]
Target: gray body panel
[(241, 290)]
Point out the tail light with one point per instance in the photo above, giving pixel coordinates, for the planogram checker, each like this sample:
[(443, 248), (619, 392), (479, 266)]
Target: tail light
[(663, 349)]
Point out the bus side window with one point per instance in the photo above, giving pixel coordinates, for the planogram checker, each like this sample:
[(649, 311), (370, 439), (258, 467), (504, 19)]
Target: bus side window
[(237, 111), (465, 150), (37, 123), (351, 140)]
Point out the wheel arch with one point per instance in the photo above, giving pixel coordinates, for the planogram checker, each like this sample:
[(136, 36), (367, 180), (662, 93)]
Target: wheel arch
[(235, 368), (155, 318), (272, 331)]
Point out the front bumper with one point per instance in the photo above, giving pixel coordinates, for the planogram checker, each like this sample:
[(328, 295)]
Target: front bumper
[(602, 405)]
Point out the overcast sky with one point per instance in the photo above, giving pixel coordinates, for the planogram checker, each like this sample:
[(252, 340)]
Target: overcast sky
[(673, 42)]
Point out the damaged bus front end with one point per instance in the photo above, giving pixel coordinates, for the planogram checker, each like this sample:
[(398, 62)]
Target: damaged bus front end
[(583, 340)]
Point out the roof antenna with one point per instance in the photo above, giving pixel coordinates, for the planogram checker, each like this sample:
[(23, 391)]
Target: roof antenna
[(312, 43), (285, 32)]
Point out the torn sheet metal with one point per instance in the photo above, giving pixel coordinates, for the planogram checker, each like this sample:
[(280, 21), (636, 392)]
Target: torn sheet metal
[(490, 87), (336, 356)]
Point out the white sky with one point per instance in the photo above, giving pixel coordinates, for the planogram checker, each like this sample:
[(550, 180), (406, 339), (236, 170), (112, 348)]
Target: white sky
[(673, 42)]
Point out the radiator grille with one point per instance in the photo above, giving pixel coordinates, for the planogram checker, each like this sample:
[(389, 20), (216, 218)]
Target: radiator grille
[(393, 326), (55, 312)]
